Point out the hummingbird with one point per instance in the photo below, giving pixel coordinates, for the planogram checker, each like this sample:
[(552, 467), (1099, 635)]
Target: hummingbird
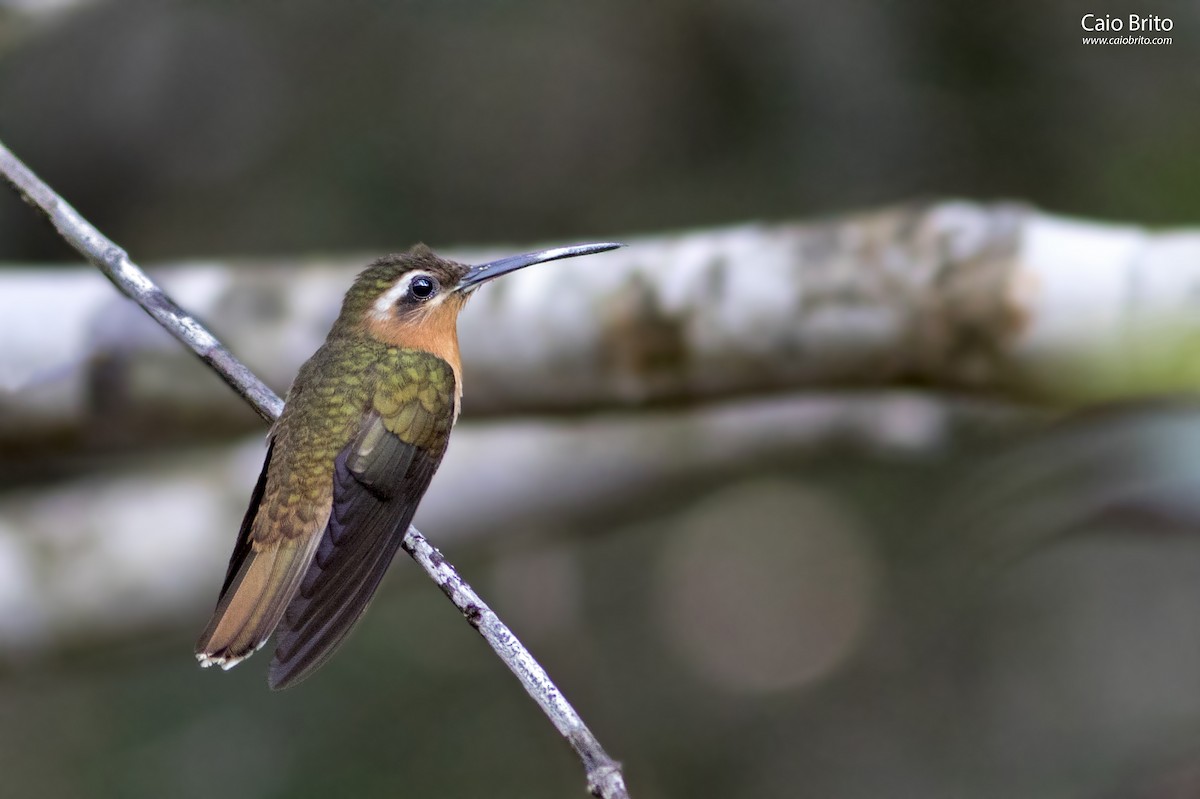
[(363, 429)]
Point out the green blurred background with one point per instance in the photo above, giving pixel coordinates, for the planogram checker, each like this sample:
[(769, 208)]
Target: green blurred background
[(975, 618), (195, 128)]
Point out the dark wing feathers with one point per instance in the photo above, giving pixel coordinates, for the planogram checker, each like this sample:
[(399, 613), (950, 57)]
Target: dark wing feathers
[(242, 547), (379, 479), (378, 456)]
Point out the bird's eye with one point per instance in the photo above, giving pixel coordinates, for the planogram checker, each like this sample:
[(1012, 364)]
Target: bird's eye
[(422, 287)]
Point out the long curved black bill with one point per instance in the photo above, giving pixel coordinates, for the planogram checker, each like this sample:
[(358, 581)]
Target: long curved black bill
[(485, 272)]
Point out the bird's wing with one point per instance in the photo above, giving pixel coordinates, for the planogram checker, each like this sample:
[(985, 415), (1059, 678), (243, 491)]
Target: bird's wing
[(378, 481), (242, 547), (261, 579)]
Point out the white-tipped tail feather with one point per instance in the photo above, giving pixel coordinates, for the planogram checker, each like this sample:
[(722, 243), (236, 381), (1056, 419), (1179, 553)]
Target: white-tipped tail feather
[(225, 663)]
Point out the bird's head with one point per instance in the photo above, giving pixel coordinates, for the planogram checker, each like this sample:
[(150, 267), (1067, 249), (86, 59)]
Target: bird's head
[(413, 299)]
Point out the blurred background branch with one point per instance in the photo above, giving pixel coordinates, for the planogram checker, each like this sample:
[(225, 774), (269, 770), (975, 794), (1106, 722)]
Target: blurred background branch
[(998, 300), (75, 554)]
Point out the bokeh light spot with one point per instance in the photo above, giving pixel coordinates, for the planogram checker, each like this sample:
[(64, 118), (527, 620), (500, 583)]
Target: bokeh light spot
[(766, 587)]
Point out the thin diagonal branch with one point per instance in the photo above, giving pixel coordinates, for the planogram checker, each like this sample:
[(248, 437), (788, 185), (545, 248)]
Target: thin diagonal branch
[(603, 773)]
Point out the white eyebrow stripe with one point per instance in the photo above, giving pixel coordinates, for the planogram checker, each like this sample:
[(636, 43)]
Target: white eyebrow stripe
[(383, 306)]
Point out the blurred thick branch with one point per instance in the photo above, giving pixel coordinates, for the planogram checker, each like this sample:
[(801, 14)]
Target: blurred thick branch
[(1000, 299), (584, 474), (603, 773)]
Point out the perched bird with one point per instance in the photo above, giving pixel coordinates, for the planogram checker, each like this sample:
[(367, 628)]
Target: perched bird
[(364, 427)]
